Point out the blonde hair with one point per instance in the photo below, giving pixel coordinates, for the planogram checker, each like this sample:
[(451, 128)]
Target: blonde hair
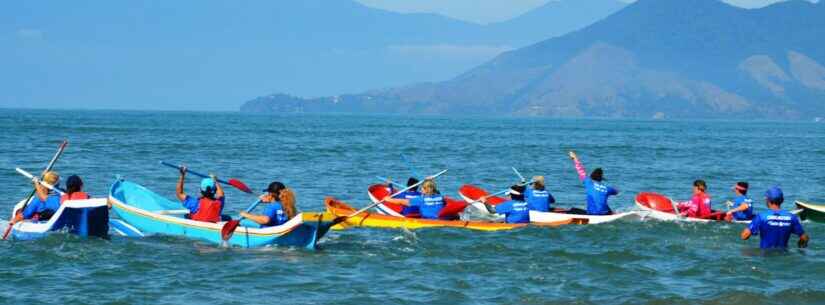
[(538, 182), (287, 199), (428, 187), (51, 177)]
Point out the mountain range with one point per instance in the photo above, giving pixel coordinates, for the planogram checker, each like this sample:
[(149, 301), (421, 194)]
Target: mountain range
[(209, 54), (653, 58)]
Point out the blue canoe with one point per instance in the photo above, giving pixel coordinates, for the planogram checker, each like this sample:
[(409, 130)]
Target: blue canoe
[(148, 213), (88, 217)]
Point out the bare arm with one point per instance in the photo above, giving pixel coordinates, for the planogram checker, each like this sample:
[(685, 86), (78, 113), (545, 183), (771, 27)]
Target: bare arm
[(404, 202), (740, 208), (259, 219), (42, 191), (179, 189), (218, 187), (803, 241), (746, 233)]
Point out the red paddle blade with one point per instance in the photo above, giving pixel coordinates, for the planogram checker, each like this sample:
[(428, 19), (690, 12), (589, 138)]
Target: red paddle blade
[(229, 228), (240, 185), (8, 230)]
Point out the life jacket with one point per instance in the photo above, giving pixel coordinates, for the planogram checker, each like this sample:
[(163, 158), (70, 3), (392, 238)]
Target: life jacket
[(74, 196), (704, 205), (208, 210)]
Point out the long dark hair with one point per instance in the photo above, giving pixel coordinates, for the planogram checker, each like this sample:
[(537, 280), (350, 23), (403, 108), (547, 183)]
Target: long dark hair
[(73, 185)]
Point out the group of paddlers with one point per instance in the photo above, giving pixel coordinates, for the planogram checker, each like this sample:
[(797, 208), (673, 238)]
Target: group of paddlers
[(774, 226)]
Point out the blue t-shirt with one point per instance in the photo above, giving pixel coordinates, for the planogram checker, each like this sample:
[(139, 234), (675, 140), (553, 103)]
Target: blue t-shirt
[(514, 211), (597, 194), (193, 204), (277, 215), (539, 200), (746, 214), (429, 205), (37, 206), (775, 228)]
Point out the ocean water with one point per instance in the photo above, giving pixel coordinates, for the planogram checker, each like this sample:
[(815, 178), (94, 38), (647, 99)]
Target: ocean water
[(646, 262)]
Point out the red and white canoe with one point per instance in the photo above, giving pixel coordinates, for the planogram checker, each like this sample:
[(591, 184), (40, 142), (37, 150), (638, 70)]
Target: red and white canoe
[(471, 193), (379, 191), (660, 207)]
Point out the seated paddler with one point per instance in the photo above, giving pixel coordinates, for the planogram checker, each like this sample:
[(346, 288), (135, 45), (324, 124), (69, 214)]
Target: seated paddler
[(514, 210), (408, 194), (209, 205), (44, 203), (279, 207), (429, 203)]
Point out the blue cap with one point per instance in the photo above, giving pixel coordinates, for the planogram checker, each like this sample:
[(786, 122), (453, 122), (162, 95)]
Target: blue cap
[(207, 184), (775, 195)]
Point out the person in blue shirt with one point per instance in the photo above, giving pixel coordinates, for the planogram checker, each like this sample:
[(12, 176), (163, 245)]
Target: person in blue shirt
[(45, 202), (597, 191), (515, 210), (538, 198), (408, 194), (775, 226), (280, 207), (429, 203), (743, 205)]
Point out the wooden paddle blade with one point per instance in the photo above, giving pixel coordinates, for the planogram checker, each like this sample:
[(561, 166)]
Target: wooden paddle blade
[(8, 230), (240, 185), (229, 228)]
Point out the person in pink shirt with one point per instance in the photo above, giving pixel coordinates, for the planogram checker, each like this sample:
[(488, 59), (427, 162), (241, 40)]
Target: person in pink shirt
[(699, 204)]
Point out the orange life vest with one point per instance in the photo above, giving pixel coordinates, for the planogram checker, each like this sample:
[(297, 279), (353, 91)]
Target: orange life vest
[(208, 210), (74, 196)]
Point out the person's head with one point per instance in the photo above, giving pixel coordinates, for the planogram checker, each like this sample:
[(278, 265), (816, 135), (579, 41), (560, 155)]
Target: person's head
[(274, 189), (597, 174), (538, 182), (740, 188), (74, 184), (208, 188), (428, 187), (51, 177), (774, 196), (699, 186), (287, 198), (412, 181), (517, 192)]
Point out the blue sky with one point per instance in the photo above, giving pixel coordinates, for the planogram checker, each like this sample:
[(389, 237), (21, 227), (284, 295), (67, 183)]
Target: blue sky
[(485, 11)]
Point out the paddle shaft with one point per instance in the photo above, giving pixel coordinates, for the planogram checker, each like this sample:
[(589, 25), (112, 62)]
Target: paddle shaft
[(412, 167), (194, 172), (382, 179), (396, 193), (501, 192), (518, 174), (250, 208), (43, 183)]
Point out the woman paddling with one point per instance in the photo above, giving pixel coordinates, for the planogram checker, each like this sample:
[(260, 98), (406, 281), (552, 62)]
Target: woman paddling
[(515, 210), (699, 205), (209, 205), (597, 192), (429, 203), (44, 203), (280, 208)]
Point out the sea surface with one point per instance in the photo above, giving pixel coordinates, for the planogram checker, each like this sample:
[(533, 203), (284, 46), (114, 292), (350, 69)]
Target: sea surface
[(628, 262)]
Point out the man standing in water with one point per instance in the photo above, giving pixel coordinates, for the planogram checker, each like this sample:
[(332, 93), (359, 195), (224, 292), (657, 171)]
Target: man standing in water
[(776, 225)]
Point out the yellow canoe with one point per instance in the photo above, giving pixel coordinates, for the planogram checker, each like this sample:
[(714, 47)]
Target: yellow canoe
[(373, 220)]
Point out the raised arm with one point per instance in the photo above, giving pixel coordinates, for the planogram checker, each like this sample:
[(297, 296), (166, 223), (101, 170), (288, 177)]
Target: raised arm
[(579, 167), (179, 189), (218, 187)]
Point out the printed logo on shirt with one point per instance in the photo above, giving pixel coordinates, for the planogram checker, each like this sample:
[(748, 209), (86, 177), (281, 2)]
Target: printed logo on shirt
[(520, 206), (601, 188), (433, 200)]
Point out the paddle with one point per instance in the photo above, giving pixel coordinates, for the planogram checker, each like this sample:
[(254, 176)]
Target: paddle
[(230, 226), (340, 219), (675, 206), (499, 193), (412, 167), (382, 179), (233, 182), (49, 167), (519, 174), (41, 182)]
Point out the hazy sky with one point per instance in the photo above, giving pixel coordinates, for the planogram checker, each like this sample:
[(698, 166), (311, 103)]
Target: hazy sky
[(485, 11)]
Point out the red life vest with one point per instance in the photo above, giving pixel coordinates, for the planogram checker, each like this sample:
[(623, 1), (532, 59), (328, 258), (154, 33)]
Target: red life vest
[(74, 196), (208, 210)]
